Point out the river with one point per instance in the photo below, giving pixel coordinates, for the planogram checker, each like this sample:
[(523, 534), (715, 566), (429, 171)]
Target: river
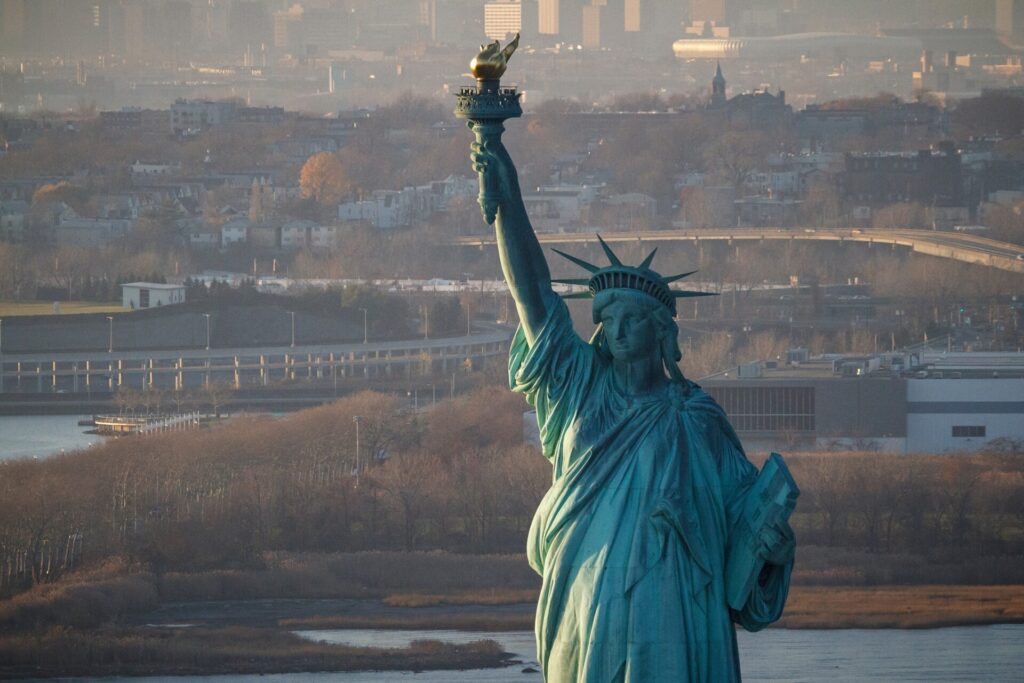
[(38, 436), (972, 653)]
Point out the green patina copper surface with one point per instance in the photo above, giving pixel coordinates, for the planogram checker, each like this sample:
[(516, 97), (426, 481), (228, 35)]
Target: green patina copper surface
[(657, 534)]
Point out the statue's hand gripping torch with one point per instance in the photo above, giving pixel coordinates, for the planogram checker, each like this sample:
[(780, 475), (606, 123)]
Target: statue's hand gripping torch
[(485, 107)]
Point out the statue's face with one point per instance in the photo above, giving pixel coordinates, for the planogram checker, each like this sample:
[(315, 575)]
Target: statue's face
[(629, 330)]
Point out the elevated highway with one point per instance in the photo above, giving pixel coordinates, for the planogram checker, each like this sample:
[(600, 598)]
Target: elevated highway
[(244, 367), (952, 245)]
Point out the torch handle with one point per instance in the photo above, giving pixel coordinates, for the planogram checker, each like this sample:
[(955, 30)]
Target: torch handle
[(490, 184)]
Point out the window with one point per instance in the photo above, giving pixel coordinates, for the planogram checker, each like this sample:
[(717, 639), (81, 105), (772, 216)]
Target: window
[(966, 431), (768, 409)]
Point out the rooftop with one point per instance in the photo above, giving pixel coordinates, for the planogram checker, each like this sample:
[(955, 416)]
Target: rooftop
[(152, 285), (797, 364)]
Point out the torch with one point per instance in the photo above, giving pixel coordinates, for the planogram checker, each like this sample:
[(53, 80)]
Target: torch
[(485, 107)]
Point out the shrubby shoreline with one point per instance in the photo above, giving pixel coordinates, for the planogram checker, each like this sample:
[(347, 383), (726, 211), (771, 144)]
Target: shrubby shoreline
[(233, 650)]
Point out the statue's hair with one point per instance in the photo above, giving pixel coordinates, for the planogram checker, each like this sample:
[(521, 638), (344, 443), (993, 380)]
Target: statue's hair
[(666, 330)]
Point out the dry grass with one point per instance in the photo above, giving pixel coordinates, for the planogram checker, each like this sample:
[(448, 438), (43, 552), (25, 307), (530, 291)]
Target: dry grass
[(369, 574), (821, 607), (902, 606), (495, 596), (88, 599), (489, 623), (13, 308), (202, 651)]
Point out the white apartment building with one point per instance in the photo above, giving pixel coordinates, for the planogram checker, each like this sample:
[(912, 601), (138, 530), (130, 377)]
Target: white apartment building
[(502, 19)]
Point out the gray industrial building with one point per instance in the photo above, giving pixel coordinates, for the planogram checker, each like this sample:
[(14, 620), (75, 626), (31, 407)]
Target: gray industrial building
[(911, 402)]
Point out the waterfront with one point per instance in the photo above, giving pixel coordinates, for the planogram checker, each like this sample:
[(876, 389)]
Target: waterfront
[(39, 436), (971, 653)]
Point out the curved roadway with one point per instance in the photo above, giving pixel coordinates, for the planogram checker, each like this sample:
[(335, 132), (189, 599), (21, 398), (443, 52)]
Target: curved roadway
[(958, 246)]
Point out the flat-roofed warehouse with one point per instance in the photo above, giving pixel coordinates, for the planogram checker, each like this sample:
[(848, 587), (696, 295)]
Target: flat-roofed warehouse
[(910, 402)]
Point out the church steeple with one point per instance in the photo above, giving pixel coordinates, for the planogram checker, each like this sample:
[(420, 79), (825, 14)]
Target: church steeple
[(718, 87)]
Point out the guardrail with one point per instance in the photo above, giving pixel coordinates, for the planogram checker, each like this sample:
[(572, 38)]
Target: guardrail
[(953, 245), (239, 367)]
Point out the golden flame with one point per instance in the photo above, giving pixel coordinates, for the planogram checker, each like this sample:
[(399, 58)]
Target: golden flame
[(491, 62)]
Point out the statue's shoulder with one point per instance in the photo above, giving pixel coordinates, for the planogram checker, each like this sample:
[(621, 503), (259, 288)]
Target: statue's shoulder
[(696, 404), (689, 396)]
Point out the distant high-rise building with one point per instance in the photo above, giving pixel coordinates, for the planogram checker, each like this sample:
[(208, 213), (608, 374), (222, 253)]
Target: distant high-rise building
[(560, 20), (12, 25), (631, 19), (249, 26), (285, 23), (451, 22), (137, 21), (325, 29), (176, 30), (548, 17), (708, 10), (212, 18), (1010, 18), (591, 25), (502, 19)]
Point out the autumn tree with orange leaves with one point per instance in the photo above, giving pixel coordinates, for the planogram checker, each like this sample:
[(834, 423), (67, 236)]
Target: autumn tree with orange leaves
[(323, 179)]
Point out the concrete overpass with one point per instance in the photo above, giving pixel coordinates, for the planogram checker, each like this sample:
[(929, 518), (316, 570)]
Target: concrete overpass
[(176, 369), (958, 246)]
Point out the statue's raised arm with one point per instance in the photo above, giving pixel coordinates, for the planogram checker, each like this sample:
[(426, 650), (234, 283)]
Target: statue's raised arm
[(522, 260), (486, 106)]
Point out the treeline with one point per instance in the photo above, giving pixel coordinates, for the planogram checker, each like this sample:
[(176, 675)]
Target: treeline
[(953, 507), (456, 478)]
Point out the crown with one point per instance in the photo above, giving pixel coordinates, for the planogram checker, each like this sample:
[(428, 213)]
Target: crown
[(619, 276)]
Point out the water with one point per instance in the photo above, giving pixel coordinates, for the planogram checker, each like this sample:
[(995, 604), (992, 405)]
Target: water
[(37, 436), (972, 653)]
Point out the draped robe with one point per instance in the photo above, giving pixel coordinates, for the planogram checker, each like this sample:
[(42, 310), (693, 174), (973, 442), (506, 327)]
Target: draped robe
[(631, 538)]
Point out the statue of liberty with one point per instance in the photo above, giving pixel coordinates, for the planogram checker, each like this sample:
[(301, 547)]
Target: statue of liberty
[(657, 534)]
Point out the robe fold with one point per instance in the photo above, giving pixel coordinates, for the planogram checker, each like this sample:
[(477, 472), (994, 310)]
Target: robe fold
[(632, 537)]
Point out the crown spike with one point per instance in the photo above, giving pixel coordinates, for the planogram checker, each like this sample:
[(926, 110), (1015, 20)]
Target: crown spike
[(578, 261), (612, 258), (646, 263), (673, 278), (619, 276)]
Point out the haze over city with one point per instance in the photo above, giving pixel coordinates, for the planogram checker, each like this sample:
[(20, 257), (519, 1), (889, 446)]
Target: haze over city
[(255, 331)]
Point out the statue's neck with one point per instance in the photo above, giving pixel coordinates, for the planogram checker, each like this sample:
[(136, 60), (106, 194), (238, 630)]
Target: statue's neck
[(640, 376)]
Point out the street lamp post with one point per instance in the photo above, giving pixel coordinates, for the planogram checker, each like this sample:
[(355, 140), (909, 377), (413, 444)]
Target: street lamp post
[(207, 330), (366, 336), (357, 419), (110, 334), (292, 314)]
